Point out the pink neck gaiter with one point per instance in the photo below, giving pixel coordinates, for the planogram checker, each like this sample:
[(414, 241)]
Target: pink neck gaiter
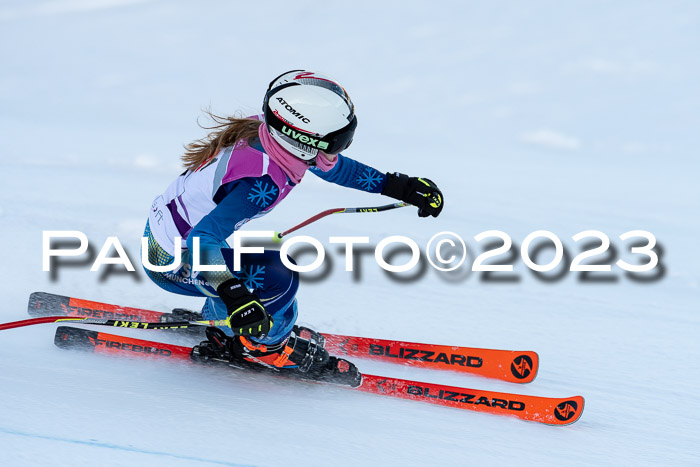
[(293, 167)]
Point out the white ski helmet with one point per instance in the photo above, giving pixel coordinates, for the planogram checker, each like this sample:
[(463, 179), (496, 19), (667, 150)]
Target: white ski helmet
[(306, 112)]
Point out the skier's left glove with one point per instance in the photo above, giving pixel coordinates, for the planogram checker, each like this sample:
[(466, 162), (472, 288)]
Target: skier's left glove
[(420, 192), (247, 316)]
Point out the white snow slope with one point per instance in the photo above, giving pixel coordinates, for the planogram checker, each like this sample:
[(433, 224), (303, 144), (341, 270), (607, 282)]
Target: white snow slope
[(565, 116)]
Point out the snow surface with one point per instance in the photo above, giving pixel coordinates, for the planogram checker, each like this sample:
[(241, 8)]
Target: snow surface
[(566, 116)]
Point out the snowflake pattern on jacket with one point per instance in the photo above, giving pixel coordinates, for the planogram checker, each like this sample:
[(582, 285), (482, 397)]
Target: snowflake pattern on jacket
[(369, 179), (353, 174), (253, 275), (262, 193)]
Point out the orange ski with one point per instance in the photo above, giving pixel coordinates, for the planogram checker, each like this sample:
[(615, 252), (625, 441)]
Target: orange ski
[(46, 304), (507, 365), (104, 343), (546, 410)]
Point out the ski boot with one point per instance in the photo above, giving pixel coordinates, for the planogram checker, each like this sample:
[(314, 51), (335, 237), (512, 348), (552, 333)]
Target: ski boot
[(295, 357)]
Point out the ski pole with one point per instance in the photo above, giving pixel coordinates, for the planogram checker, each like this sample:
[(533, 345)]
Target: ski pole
[(117, 323), (278, 235)]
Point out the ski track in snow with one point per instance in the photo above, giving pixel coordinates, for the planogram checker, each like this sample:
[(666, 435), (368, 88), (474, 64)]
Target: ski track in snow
[(529, 116), (130, 449)]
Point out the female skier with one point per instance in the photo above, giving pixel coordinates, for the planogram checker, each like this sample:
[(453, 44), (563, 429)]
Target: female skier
[(241, 171)]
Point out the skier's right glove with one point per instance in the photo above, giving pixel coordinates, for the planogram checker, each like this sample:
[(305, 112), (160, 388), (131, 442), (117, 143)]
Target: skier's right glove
[(420, 192), (246, 315)]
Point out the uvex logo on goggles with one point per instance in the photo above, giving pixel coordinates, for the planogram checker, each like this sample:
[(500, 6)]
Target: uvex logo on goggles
[(302, 138)]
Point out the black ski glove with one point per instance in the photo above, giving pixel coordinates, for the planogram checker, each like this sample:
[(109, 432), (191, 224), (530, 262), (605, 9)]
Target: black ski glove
[(420, 192), (246, 315)]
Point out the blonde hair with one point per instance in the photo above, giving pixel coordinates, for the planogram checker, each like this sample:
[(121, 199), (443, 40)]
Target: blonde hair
[(228, 131)]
